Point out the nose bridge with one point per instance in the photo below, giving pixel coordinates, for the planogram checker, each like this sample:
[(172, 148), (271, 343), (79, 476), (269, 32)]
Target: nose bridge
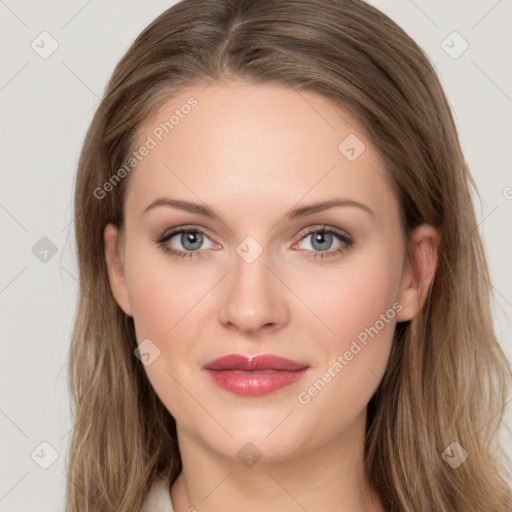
[(253, 299)]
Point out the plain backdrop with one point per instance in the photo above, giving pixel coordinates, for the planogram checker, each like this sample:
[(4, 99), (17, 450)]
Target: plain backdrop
[(46, 107)]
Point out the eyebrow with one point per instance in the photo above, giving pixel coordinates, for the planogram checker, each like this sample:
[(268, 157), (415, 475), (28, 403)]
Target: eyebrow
[(296, 213)]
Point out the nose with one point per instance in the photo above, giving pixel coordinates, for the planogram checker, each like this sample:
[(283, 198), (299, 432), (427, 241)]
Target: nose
[(255, 298)]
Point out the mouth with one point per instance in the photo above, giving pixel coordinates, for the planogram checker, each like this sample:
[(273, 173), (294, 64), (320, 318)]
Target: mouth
[(254, 375)]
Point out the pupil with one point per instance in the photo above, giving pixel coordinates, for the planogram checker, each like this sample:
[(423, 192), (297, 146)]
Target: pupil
[(321, 238), (192, 239)]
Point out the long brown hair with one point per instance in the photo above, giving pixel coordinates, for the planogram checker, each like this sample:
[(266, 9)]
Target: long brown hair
[(447, 377)]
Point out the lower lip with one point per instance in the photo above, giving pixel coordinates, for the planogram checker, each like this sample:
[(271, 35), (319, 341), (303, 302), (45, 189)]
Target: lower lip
[(255, 383)]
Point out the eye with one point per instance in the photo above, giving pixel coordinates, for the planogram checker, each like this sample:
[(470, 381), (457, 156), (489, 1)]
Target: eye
[(191, 239), (322, 239)]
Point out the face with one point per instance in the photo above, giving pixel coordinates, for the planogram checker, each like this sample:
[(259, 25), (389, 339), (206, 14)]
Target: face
[(264, 274)]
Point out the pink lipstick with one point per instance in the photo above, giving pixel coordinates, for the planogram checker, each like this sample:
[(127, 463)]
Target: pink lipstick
[(254, 375)]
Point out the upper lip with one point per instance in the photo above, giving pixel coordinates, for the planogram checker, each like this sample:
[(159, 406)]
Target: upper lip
[(250, 363)]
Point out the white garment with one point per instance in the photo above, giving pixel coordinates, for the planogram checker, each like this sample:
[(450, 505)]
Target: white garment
[(159, 498)]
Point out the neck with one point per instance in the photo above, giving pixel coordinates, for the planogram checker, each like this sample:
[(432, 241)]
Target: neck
[(328, 477)]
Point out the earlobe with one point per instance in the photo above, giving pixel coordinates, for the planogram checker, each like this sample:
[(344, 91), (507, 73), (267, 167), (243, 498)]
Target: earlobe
[(421, 265), (115, 268)]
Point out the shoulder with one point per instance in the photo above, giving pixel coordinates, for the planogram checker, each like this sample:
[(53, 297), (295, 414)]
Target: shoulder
[(158, 499)]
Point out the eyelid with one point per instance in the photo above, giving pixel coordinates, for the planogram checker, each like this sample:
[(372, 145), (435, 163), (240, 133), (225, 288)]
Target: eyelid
[(171, 233), (325, 228), (178, 229)]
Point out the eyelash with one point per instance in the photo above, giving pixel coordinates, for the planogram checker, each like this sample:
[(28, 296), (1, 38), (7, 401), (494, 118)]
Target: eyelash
[(342, 237)]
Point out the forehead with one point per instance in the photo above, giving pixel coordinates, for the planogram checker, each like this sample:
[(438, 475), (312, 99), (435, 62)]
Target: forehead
[(255, 144)]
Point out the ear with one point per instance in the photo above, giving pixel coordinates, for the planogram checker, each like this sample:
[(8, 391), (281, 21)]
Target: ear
[(419, 271), (114, 260)]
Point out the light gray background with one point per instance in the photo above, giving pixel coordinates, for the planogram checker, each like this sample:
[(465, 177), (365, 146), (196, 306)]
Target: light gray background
[(46, 106)]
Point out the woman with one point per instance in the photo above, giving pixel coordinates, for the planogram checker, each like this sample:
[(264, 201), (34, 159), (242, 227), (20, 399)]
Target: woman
[(259, 369)]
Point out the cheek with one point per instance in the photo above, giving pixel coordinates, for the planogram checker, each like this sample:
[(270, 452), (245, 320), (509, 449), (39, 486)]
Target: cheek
[(350, 369), (165, 310), (359, 305), (352, 298), (163, 295), (152, 301)]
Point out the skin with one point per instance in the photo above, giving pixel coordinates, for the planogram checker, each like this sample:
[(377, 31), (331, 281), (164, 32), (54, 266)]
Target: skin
[(254, 152)]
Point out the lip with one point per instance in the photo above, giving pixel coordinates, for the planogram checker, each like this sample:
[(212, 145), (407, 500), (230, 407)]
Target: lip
[(254, 375)]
